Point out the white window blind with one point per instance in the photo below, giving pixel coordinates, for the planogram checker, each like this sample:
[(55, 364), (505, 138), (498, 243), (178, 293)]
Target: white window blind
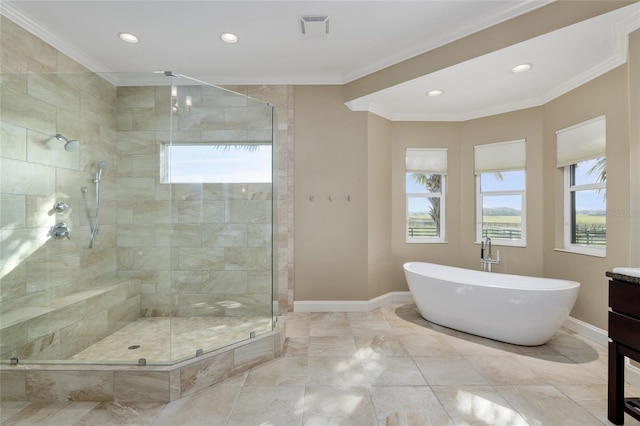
[(583, 141), (430, 160), (500, 157)]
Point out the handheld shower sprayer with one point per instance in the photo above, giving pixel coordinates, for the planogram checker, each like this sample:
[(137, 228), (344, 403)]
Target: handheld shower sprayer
[(95, 226), (70, 145), (101, 166)]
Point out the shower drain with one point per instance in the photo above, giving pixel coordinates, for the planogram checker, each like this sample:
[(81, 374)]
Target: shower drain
[(134, 347)]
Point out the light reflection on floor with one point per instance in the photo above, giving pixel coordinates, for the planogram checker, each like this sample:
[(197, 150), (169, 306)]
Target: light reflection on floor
[(487, 411)]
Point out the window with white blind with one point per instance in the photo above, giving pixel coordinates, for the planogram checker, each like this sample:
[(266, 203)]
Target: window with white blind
[(581, 155), (425, 184), (501, 192)]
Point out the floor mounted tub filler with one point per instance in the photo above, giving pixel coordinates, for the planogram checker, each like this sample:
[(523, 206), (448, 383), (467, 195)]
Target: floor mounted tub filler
[(511, 308)]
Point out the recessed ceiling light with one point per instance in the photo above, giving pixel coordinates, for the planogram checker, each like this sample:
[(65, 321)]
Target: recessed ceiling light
[(229, 38), (129, 38), (521, 68), (435, 93)]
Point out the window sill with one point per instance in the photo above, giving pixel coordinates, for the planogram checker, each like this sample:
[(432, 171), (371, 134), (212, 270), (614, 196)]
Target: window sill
[(582, 252), (504, 243), (426, 242)]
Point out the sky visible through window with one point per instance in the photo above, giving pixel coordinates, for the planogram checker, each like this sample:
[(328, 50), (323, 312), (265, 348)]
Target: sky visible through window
[(590, 200), (219, 163)]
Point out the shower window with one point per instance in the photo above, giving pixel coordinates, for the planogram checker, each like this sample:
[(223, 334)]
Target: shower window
[(217, 163)]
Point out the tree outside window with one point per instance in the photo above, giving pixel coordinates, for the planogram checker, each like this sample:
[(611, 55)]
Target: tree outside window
[(425, 207), (587, 204)]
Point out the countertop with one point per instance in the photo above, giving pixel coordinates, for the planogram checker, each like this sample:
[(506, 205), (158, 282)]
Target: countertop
[(623, 277)]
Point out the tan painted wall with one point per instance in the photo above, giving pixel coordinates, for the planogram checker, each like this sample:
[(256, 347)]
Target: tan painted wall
[(330, 237), (379, 205), (606, 95), (525, 124), (424, 135), (634, 151), (460, 138), (634, 148), (341, 150), (328, 264)]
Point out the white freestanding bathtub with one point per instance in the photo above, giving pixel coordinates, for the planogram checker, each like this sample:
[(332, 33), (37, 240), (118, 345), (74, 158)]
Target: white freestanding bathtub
[(510, 308)]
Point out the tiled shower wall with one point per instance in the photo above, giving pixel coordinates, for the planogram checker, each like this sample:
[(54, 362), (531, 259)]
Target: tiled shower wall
[(44, 93), (199, 249), (36, 171)]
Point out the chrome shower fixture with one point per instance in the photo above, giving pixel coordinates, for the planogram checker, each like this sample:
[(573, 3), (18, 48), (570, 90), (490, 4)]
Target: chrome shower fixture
[(95, 227), (70, 145), (101, 166)]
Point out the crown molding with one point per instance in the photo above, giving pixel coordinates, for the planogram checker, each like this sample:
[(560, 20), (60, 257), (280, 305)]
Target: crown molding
[(12, 13), (480, 23)]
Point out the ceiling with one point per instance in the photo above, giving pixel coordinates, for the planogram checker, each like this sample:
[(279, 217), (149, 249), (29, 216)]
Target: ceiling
[(364, 37)]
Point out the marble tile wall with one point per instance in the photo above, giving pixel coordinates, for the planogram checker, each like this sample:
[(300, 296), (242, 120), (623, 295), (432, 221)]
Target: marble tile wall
[(200, 249), (43, 92), (212, 236)]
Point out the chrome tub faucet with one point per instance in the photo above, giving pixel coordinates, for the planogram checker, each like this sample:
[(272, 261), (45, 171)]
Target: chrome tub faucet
[(486, 261)]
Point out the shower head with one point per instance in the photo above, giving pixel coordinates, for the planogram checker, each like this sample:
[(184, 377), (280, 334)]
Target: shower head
[(101, 166), (70, 145)]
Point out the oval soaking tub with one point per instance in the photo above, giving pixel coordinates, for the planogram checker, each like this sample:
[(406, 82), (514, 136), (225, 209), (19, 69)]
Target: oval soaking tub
[(511, 308)]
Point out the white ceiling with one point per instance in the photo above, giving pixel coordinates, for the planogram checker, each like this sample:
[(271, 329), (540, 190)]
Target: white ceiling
[(364, 37)]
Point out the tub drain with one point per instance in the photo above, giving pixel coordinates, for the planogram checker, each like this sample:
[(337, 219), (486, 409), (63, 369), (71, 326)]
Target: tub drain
[(134, 347)]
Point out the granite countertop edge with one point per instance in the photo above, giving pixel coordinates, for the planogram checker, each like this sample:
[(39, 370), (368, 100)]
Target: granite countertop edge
[(623, 277)]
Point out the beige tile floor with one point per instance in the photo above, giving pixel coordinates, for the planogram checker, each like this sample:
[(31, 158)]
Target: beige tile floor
[(385, 367)]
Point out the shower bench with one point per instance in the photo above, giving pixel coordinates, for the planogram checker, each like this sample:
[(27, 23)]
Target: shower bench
[(57, 326)]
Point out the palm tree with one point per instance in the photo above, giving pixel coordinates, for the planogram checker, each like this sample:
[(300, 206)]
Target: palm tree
[(434, 184), (599, 169)]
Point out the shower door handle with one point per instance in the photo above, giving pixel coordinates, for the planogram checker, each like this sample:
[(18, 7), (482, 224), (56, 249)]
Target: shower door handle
[(60, 231)]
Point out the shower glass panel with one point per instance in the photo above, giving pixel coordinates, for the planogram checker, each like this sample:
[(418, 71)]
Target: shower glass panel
[(218, 166), (152, 238)]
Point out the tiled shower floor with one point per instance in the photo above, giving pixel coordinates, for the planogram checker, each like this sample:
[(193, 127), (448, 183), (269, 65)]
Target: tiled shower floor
[(165, 340)]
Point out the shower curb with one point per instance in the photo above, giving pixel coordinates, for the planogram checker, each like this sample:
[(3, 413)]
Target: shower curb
[(133, 383)]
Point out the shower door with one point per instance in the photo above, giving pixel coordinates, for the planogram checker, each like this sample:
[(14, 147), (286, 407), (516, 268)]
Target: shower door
[(217, 164)]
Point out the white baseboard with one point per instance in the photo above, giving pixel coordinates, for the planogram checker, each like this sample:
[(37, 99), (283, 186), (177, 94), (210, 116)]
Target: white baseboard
[(587, 330), (595, 334), (598, 335), (351, 305)]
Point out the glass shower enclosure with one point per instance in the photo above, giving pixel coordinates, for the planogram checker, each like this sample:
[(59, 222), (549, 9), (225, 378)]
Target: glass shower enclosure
[(137, 218)]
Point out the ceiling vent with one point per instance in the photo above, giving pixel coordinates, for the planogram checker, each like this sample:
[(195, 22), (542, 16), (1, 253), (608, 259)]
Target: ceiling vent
[(314, 25)]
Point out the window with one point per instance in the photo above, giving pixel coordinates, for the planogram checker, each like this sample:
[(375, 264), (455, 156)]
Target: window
[(586, 203), (501, 192), (217, 163), (425, 183), (581, 154)]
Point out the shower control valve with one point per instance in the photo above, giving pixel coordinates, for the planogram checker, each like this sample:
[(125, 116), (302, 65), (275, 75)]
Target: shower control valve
[(59, 206), (60, 231)]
